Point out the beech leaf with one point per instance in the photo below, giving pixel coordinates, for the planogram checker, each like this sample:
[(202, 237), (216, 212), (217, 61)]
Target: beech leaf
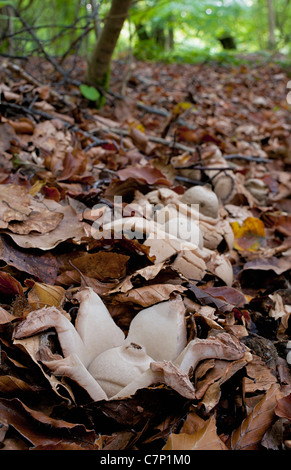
[(147, 174), (251, 431), (204, 439)]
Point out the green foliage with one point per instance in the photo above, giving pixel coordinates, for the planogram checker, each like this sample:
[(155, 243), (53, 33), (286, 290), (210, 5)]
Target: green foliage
[(90, 92), (167, 30), (198, 26)]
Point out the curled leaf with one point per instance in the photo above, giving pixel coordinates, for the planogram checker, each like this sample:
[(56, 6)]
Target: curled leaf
[(251, 431), (45, 295)]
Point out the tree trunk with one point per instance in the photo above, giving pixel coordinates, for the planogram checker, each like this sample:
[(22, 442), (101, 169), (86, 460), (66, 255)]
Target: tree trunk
[(272, 24), (96, 19), (99, 64)]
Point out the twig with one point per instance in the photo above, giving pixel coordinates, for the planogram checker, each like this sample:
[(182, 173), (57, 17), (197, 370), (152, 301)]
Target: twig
[(11, 56), (30, 79), (152, 109), (248, 158), (186, 180), (33, 112), (158, 140), (34, 36), (205, 168)]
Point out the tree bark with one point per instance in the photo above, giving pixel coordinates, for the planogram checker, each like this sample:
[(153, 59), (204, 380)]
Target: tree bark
[(272, 24), (99, 63)]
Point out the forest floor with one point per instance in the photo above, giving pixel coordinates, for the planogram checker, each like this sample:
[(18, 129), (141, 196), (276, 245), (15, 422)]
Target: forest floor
[(163, 129)]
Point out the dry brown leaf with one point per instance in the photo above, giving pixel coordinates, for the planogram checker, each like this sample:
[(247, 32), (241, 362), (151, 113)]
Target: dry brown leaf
[(9, 285), (21, 214), (259, 376), (40, 429), (102, 265), (147, 174), (41, 222), (13, 385), (283, 408), (147, 273), (7, 133), (70, 228), (251, 431), (43, 266), (149, 295), (14, 205), (219, 372), (174, 378), (6, 317), (32, 346), (203, 439)]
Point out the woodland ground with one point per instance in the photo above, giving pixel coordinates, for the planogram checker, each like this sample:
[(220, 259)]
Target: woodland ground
[(164, 126)]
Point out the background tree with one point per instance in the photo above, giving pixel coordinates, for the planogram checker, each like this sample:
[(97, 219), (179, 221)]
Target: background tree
[(99, 64), (96, 31), (272, 24)]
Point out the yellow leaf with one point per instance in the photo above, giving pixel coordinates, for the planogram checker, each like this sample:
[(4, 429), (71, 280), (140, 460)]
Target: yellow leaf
[(136, 125), (249, 236), (42, 295), (36, 187), (180, 107)]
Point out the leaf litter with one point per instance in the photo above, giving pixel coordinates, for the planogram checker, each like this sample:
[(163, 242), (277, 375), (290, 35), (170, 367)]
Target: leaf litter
[(211, 375)]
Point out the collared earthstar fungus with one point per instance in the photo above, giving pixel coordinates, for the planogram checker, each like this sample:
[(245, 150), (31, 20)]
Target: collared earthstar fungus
[(109, 365)]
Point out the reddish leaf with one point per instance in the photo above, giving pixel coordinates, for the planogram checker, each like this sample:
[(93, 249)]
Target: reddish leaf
[(9, 285), (147, 174), (283, 408), (228, 294), (40, 429), (251, 431), (51, 193), (74, 164), (43, 266)]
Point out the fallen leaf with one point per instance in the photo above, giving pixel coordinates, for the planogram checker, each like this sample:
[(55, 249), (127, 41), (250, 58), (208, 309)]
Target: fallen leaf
[(147, 174), (22, 126), (103, 265), (75, 163), (7, 133), (249, 236), (281, 222), (149, 295), (204, 298), (41, 222), (9, 285), (203, 439), (283, 408), (43, 266), (251, 431), (40, 429), (69, 228), (278, 265), (14, 204), (227, 294), (259, 376), (42, 295), (6, 317)]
